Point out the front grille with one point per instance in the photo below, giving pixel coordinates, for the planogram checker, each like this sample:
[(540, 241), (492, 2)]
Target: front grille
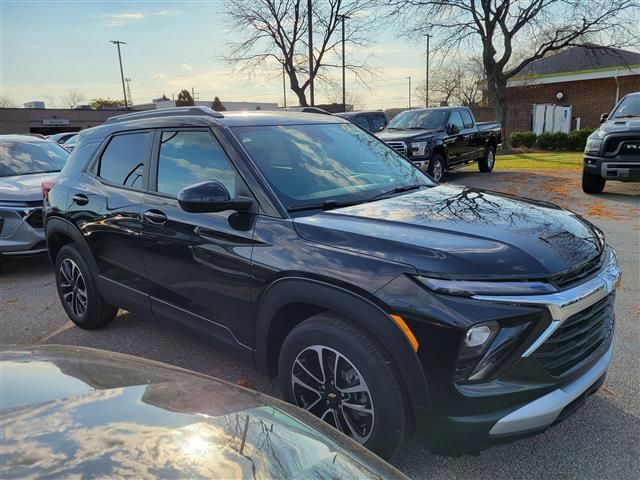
[(583, 336), (570, 276), (399, 147), (35, 219), (611, 145), (630, 148)]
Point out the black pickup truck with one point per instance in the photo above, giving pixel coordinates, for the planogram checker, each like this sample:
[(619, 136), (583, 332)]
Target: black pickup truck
[(613, 151), (445, 138)]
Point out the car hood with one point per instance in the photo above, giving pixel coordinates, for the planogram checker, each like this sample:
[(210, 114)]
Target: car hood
[(23, 188), (615, 125), (402, 134), (70, 412), (462, 232)]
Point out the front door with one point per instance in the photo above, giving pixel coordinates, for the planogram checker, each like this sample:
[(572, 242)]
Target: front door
[(198, 263)]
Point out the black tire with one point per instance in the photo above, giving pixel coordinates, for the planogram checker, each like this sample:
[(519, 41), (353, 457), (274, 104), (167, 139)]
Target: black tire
[(592, 183), (94, 313), (383, 430), (437, 167), (487, 163)]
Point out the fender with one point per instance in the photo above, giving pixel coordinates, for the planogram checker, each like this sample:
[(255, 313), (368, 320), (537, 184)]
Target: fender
[(68, 229), (361, 311)]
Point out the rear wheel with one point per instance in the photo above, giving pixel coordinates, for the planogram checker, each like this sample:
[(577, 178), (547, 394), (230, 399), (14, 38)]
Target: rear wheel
[(486, 164), (592, 183), (436, 167), (338, 372), (78, 291)]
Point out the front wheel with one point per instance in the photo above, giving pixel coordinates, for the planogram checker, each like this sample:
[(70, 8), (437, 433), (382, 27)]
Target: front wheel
[(486, 163), (592, 183), (337, 372), (436, 167)]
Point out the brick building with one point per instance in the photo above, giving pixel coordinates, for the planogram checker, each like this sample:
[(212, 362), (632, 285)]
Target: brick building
[(589, 79)]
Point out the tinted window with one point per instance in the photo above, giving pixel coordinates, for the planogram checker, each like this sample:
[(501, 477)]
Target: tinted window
[(20, 158), (362, 121), (628, 107), (466, 118), (427, 119), (187, 158), (378, 122), (122, 162), (310, 164), (456, 119)]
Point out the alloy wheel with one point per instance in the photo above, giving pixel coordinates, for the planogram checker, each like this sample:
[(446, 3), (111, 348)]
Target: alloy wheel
[(491, 158), (73, 287), (437, 171), (328, 385)]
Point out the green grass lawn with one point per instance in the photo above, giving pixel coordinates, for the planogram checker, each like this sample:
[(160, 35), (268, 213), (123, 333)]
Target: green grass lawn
[(540, 161)]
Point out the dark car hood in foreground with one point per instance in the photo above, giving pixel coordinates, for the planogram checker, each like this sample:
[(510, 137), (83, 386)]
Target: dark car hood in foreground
[(458, 231), (400, 134), (70, 412), (23, 188)]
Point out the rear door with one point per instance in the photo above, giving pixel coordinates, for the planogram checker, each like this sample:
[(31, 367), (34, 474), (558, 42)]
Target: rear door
[(473, 137), (198, 263), (105, 206), (457, 144)]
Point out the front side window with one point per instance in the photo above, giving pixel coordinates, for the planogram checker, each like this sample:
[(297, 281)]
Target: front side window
[(378, 122), (122, 162), (190, 157), (25, 158), (362, 122), (310, 164)]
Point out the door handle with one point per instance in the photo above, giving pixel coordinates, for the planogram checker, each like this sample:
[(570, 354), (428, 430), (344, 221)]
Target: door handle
[(80, 199), (155, 216)]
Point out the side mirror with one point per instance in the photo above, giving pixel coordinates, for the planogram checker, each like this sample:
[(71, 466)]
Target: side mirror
[(381, 128), (604, 117), (210, 197), (453, 129)]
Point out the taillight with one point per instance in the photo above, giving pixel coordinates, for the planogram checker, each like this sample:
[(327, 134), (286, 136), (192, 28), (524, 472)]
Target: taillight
[(47, 185)]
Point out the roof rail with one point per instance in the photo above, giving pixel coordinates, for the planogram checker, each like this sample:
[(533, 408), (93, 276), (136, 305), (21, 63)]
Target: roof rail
[(165, 112)]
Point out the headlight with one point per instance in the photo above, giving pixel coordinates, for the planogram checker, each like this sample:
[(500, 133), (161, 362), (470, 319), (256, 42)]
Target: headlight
[(593, 145), (418, 149), (467, 288)]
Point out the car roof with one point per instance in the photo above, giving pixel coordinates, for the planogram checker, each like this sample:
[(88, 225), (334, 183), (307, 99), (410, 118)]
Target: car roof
[(21, 138), (353, 114)]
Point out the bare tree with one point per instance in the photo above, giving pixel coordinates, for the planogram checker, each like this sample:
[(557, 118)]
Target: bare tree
[(73, 97), (444, 87), (471, 91), (333, 94), (6, 102), (274, 36), (504, 25)]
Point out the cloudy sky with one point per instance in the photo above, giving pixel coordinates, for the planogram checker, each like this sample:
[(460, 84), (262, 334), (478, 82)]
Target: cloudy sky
[(51, 46)]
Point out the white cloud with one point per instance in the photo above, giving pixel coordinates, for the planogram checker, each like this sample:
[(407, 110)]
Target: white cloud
[(166, 13), (128, 16), (185, 67)]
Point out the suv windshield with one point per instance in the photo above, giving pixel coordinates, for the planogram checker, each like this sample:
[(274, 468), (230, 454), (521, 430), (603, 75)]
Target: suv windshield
[(22, 158), (307, 165), (427, 119), (628, 107)]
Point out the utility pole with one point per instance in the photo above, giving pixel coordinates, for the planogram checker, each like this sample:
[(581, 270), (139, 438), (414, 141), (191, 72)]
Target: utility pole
[(124, 91), (409, 78), (426, 82), (344, 89), (284, 85), (128, 80), (310, 28), (194, 94)]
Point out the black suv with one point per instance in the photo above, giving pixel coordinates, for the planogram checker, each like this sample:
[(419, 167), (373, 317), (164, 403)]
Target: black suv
[(387, 304), (612, 152)]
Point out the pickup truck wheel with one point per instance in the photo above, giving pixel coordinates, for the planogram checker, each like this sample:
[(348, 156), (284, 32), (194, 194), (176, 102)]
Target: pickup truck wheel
[(592, 183), (339, 373), (78, 291), (436, 167), (486, 164)]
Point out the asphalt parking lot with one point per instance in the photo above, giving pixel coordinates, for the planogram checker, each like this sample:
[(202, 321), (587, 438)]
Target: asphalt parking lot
[(601, 440)]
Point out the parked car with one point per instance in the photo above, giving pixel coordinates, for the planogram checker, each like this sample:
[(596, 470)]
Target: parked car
[(613, 150), (25, 162), (85, 413), (70, 143), (442, 139), (61, 138), (306, 110), (386, 304), (374, 121)]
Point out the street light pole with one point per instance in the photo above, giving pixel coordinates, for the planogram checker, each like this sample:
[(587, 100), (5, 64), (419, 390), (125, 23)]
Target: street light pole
[(124, 90), (344, 89), (310, 28), (284, 86), (426, 82), (409, 78)]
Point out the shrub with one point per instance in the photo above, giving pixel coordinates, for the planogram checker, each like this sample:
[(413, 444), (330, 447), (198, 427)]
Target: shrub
[(578, 139), (545, 141), (559, 141), (523, 139)]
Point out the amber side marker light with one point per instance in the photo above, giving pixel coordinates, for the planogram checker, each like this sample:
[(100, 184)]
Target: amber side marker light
[(406, 330)]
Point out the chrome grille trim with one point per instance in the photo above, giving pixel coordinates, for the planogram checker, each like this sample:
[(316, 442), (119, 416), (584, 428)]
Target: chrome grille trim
[(399, 147)]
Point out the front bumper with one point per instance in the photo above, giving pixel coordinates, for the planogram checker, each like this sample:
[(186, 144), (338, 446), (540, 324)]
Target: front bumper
[(622, 169), (22, 232)]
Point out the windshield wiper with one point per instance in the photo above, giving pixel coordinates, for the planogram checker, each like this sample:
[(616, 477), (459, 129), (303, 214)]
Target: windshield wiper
[(400, 189), (326, 205), (631, 115)]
